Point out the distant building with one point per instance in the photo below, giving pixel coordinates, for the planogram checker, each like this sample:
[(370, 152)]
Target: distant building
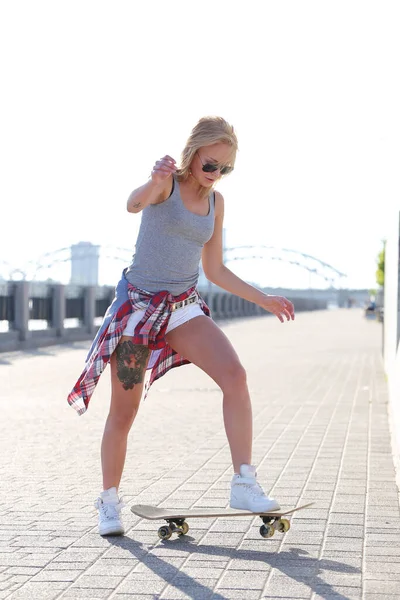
[(84, 264)]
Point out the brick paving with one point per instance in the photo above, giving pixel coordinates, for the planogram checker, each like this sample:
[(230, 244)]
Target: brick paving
[(321, 434)]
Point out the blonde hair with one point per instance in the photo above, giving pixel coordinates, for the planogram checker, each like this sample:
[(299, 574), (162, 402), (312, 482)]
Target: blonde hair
[(209, 130)]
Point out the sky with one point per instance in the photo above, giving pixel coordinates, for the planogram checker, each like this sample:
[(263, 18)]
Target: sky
[(94, 92)]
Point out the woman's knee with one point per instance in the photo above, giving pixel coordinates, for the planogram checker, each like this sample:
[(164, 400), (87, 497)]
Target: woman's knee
[(234, 377)]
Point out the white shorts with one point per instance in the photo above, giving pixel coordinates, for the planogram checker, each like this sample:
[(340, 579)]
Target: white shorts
[(178, 317)]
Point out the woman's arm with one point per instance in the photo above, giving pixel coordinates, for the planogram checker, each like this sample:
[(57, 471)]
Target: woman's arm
[(156, 190), (218, 273), (149, 193)]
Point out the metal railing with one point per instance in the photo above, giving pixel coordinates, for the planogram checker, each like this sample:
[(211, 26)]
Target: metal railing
[(37, 313)]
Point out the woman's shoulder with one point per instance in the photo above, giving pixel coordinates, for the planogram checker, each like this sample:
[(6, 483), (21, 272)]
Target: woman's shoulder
[(219, 203)]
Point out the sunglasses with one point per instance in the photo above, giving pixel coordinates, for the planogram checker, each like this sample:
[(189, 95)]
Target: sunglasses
[(212, 167)]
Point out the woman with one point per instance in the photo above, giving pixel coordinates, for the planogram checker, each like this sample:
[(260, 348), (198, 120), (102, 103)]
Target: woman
[(158, 321)]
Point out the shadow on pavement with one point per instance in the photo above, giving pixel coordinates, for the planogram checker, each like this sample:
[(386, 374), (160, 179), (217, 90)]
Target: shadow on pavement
[(287, 562), (8, 358)]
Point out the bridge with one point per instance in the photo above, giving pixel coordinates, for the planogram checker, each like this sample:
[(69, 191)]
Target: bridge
[(83, 262)]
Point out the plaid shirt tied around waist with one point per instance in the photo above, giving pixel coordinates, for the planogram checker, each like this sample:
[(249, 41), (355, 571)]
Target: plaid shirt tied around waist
[(150, 331)]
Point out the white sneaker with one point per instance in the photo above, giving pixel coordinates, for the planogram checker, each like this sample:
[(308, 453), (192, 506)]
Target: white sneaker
[(109, 507), (247, 494)]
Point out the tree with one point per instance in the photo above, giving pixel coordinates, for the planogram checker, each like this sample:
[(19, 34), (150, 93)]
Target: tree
[(380, 272)]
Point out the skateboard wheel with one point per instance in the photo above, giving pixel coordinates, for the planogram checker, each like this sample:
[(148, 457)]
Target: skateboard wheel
[(267, 531), (185, 528), (283, 525), (164, 532)]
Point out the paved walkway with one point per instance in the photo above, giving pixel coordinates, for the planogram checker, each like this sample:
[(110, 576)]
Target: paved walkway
[(321, 434)]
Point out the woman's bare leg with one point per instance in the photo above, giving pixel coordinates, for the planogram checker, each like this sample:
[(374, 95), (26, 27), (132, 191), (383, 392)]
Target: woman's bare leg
[(128, 366), (202, 342)]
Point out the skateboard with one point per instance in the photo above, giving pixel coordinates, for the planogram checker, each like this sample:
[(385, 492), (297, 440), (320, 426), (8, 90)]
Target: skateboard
[(176, 518)]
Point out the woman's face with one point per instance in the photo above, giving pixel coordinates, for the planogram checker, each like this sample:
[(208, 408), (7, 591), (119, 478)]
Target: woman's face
[(218, 154)]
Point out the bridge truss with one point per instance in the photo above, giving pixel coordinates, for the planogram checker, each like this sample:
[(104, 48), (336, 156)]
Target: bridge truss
[(46, 266)]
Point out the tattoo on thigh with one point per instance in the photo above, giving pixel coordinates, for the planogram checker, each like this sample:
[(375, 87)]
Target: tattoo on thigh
[(131, 362)]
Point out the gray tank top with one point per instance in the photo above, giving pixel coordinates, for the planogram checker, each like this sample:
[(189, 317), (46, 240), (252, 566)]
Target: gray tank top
[(169, 245)]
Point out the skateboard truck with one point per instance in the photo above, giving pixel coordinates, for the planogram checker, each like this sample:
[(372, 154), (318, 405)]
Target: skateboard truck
[(178, 526), (272, 524), (267, 530), (176, 518)]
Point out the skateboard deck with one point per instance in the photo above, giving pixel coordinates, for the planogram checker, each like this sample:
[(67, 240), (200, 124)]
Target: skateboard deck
[(176, 518)]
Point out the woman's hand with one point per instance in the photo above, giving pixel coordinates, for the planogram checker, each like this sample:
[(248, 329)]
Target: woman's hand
[(162, 170), (278, 305)]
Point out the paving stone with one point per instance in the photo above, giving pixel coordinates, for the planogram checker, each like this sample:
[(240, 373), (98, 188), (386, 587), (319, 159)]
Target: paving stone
[(297, 597), (45, 591), (238, 594), (389, 588), (197, 593), (385, 596), (134, 596), (87, 593), (339, 593)]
